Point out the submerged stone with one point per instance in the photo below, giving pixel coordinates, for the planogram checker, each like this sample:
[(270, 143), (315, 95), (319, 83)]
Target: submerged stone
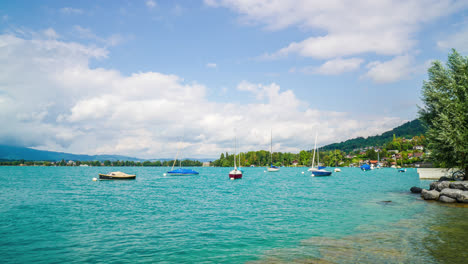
[(415, 189)]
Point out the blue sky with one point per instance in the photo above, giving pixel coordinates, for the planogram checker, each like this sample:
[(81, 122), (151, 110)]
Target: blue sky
[(135, 77)]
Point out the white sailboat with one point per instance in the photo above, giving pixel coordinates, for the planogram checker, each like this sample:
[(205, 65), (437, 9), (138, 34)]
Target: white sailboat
[(272, 168), (235, 173), (318, 171)]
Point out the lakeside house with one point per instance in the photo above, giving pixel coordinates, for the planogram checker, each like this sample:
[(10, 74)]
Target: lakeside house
[(206, 164), (418, 148), (295, 163)]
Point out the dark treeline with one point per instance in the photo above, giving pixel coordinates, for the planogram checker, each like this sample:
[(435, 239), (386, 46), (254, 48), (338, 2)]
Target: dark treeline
[(385, 152), (168, 163), (407, 130)]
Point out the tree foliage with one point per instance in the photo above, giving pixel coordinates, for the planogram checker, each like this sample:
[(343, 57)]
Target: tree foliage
[(445, 111)]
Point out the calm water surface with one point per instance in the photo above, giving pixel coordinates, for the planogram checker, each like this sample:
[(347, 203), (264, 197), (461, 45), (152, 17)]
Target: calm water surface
[(59, 215)]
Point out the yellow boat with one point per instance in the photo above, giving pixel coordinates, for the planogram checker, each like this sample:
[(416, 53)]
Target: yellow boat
[(116, 175)]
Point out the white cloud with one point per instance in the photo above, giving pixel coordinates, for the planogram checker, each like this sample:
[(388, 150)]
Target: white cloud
[(335, 66), (50, 98), (399, 68), (349, 27), (211, 65), (458, 41), (70, 10), (151, 4), (50, 33)]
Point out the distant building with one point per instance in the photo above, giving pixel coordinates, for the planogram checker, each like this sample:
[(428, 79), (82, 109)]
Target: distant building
[(295, 162), (418, 148), (373, 161), (206, 164), (418, 154)]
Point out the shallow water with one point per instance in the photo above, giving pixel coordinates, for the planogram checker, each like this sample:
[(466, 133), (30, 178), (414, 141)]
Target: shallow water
[(58, 214)]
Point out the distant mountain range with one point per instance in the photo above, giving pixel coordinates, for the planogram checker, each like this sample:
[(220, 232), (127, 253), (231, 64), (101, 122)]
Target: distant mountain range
[(19, 153), (407, 130)]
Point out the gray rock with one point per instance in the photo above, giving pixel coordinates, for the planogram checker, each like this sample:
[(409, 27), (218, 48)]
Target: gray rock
[(430, 195), (446, 199), (443, 185), (415, 189), (433, 185), (463, 197), (452, 193), (461, 185)]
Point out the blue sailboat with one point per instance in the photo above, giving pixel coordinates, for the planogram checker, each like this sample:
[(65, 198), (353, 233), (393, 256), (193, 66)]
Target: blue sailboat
[(320, 170), (180, 171), (365, 167)]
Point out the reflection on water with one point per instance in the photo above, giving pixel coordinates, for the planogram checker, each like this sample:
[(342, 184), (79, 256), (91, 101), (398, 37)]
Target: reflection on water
[(436, 236)]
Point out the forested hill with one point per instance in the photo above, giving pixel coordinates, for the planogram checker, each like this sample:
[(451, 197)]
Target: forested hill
[(407, 130)]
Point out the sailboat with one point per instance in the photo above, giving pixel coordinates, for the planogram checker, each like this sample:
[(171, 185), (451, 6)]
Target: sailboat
[(319, 171), (401, 169), (235, 173), (272, 168), (180, 171)]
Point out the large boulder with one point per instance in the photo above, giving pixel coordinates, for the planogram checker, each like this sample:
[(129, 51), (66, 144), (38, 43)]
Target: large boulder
[(430, 195), (443, 185), (452, 193), (433, 185), (446, 199), (415, 189), (461, 185), (463, 197)]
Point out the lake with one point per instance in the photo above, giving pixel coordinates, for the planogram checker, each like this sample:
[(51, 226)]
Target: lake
[(59, 215)]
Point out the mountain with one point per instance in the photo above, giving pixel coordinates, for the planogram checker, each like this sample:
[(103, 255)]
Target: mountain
[(19, 153), (407, 130)]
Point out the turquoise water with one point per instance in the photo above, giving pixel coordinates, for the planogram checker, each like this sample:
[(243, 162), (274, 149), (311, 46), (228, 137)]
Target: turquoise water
[(59, 215)]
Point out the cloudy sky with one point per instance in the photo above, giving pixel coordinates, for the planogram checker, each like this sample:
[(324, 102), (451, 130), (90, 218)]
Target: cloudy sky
[(137, 77)]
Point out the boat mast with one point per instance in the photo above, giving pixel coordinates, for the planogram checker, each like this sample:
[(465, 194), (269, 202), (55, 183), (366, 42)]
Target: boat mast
[(315, 145), (271, 147), (177, 155), (235, 146)]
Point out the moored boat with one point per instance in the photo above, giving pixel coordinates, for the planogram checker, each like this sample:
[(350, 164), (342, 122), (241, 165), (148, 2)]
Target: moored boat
[(320, 170), (235, 173), (182, 172), (272, 167), (117, 175), (365, 167)]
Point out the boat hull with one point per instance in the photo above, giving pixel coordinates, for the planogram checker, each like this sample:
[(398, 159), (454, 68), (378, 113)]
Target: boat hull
[(321, 173), (273, 169), (235, 174), (114, 177), (182, 174)]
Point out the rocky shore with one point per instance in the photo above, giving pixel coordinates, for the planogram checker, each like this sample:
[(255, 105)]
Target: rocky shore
[(445, 191)]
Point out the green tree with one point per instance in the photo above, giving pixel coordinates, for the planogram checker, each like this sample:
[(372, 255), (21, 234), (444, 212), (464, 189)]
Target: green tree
[(445, 111)]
